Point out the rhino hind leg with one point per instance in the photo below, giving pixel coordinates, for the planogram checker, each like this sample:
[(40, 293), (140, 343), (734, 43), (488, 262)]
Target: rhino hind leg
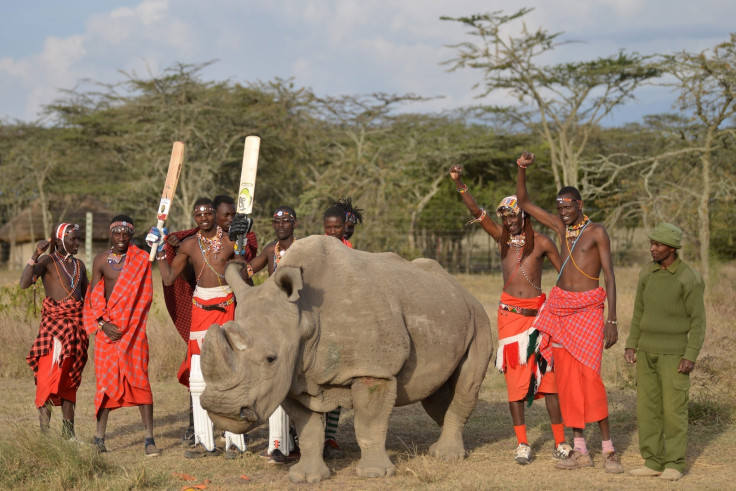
[(310, 427), (373, 400)]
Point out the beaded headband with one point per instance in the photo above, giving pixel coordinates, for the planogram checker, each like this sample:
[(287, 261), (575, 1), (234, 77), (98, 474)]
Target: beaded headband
[(121, 224), (566, 200), (284, 214), (508, 205), (64, 229), (204, 208)]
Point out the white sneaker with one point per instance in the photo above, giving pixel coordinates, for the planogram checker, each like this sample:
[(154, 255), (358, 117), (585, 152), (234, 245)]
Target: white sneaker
[(523, 454), (562, 451)]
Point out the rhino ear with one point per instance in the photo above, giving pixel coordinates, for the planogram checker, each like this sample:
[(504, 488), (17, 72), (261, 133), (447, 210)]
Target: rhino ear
[(233, 278), (289, 280)]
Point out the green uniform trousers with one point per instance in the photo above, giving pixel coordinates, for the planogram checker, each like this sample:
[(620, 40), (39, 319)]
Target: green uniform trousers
[(662, 395)]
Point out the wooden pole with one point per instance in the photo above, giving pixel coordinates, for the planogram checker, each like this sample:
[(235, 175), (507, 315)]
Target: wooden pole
[(88, 240)]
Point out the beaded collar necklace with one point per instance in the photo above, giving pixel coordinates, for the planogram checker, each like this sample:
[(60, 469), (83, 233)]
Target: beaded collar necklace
[(573, 231), (214, 244), (278, 253), (114, 258)]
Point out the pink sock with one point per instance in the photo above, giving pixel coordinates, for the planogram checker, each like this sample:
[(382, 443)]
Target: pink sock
[(607, 446), (580, 445)]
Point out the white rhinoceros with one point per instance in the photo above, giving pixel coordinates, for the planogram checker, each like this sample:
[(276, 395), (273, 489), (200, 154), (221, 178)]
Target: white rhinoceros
[(338, 327)]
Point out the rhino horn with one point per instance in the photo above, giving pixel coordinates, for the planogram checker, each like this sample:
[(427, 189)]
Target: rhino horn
[(218, 357), (233, 278)]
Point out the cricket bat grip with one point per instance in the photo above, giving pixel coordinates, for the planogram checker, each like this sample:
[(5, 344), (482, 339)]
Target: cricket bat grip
[(240, 226), (154, 247)]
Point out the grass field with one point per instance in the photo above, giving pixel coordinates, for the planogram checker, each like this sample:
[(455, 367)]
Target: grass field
[(31, 461)]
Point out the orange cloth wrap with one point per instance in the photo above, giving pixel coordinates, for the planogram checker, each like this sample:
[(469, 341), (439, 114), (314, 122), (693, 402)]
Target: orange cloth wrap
[(54, 382), (582, 394), (518, 376), (201, 321)]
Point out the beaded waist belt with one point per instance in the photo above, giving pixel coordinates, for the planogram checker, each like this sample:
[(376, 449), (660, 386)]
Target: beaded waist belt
[(220, 306), (518, 310)]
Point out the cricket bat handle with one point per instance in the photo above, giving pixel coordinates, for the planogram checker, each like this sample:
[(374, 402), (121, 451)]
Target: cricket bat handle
[(154, 247)]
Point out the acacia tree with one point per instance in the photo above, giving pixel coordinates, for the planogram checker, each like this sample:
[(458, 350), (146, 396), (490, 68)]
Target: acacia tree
[(562, 103), (706, 83)]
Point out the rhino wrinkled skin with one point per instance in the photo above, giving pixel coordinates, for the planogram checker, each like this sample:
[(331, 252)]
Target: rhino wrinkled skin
[(339, 327)]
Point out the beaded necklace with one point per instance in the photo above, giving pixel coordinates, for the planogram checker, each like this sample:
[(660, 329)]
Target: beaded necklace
[(114, 258), (73, 278), (518, 242), (278, 253), (574, 231), (213, 245)]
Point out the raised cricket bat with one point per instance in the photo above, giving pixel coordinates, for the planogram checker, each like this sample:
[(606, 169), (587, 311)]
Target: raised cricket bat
[(247, 188), (172, 179)]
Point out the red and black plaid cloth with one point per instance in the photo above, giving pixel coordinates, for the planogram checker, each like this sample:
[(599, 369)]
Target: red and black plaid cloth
[(178, 297), (63, 321), (574, 320), (127, 308)]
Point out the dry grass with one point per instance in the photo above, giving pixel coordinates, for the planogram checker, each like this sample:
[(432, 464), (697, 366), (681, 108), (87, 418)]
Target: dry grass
[(29, 460)]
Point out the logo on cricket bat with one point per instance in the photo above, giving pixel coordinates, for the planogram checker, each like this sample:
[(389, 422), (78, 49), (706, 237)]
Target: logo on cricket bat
[(163, 208), (245, 198)]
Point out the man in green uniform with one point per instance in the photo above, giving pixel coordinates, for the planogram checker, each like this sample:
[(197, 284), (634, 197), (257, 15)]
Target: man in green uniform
[(667, 331)]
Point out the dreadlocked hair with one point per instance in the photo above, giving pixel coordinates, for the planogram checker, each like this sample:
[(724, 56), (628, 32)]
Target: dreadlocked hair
[(528, 239), (346, 204)]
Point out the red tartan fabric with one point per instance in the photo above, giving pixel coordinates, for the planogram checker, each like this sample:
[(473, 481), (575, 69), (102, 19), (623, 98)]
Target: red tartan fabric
[(574, 320), (127, 308), (178, 297), (63, 321)]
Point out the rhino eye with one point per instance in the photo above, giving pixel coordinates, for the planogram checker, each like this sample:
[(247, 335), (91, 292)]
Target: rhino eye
[(271, 358)]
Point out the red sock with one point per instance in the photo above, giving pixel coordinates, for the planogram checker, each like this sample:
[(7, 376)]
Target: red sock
[(558, 431), (521, 434)]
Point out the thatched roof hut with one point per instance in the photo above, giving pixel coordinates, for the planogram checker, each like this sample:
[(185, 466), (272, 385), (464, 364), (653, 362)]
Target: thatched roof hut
[(22, 232)]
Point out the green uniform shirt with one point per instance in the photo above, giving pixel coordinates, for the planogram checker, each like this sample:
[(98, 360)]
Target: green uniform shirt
[(669, 313)]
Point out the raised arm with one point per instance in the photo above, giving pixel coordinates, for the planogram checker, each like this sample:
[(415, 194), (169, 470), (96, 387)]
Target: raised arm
[(34, 267), (169, 273), (488, 225), (525, 202)]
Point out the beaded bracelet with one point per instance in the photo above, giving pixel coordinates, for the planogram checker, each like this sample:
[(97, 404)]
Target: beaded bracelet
[(612, 322), (479, 219), (250, 271), (521, 166), (32, 262), (463, 189)]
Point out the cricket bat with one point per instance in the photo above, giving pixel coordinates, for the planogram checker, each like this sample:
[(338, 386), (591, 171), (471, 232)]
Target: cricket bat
[(246, 190), (172, 179)]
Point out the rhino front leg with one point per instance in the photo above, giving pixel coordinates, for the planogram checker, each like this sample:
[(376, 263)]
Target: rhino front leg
[(310, 427), (373, 400)]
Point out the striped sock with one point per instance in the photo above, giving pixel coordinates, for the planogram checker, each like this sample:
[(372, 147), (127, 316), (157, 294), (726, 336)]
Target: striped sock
[(332, 418)]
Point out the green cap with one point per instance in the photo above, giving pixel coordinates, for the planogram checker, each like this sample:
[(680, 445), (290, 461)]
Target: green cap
[(667, 234)]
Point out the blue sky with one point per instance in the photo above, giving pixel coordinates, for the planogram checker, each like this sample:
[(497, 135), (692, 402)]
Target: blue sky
[(334, 47)]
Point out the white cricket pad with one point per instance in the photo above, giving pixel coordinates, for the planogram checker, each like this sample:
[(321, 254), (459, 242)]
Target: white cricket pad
[(203, 427), (278, 432)]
